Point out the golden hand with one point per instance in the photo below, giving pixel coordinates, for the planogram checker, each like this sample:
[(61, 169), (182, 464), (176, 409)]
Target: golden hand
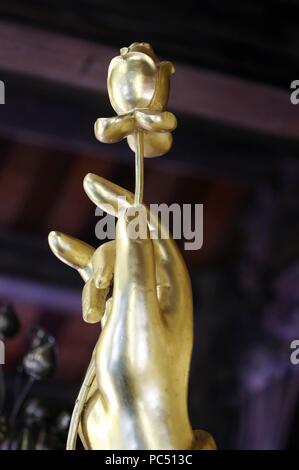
[(135, 392)]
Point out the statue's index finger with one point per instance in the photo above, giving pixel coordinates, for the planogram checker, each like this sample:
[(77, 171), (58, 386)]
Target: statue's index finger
[(106, 195)]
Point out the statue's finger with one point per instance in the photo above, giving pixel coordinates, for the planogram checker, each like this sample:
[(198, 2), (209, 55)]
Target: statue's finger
[(174, 287), (103, 264), (134, 277), (72, 252), (106, 195), (93, 302)]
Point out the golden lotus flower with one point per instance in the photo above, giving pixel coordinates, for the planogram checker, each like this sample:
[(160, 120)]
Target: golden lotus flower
[(138, 87)]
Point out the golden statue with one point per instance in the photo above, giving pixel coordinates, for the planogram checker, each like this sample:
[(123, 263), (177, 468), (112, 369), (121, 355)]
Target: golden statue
[(134, 394)]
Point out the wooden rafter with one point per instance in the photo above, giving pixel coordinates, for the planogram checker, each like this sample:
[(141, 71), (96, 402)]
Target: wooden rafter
[(203, 94)]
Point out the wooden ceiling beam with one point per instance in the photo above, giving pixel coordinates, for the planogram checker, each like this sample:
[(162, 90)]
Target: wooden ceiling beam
[(203, 94)]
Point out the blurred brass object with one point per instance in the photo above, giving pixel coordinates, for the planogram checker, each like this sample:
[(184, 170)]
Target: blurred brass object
[(134, 395)]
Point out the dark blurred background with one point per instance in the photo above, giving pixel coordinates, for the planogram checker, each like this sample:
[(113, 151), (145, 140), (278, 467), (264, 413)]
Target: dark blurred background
[(236, 150)]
